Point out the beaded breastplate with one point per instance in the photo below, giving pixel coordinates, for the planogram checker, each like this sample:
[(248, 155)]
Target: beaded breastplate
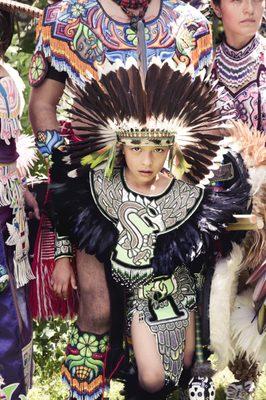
[(79, 37), (237, 67), (243, 74), (139, 220)]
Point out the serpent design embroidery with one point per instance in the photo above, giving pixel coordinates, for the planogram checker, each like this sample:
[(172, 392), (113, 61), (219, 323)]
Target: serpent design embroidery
[(164, 305), (139, 220)]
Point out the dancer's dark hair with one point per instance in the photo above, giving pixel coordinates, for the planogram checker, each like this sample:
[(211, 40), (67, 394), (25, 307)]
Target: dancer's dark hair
[(6, 31)]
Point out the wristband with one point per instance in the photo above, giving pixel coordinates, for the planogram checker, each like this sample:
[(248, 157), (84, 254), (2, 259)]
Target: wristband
[(63, 247), (47, 140)]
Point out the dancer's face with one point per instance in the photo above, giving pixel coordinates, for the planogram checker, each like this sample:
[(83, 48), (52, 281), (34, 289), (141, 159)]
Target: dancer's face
[(241, 18), (144, 163)]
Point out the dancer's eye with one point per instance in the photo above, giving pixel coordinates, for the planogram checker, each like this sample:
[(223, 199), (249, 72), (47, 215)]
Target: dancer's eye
[(159, 150)]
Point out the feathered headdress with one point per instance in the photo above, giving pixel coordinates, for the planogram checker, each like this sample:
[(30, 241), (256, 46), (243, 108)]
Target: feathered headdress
[(169, 109), (18, 7)]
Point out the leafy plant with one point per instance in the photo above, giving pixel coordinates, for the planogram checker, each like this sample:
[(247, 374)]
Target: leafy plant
[(50, 339)]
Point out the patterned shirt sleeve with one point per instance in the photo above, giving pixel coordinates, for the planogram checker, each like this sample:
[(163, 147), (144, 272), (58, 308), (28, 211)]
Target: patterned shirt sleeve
[(225, 101), (193, 35), (202, 53), (39, 62), (40, 67)]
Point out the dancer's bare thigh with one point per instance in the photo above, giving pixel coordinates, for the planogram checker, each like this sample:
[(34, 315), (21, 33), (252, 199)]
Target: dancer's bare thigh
[(94, 304)]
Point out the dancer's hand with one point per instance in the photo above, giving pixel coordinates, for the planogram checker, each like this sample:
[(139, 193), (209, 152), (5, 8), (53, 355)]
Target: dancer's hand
[(63, 277), (32, 203)]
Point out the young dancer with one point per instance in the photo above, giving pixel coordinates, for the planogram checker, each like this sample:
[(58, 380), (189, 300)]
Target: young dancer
[(149, 231)]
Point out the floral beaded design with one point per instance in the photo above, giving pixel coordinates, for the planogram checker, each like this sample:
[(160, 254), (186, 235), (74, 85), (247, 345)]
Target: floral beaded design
[(38, 69), (83, 366)]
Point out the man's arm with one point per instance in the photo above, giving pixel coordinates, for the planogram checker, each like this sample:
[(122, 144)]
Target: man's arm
[(43, 102), (42, 112)]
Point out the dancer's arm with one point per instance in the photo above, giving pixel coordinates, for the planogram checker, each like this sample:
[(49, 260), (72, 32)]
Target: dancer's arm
[(42, 113)]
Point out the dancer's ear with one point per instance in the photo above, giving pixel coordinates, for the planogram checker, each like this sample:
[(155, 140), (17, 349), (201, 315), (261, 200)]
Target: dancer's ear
[(216, 8)]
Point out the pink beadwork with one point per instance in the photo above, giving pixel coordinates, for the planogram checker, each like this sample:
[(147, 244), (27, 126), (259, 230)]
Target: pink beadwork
[(9, 110)]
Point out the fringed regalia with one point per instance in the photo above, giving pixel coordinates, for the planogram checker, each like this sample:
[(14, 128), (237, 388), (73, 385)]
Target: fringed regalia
[(15, 270), (150, 245)]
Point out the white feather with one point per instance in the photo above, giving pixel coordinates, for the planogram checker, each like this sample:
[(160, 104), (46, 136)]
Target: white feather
[(27, 154), (108, 67), (257, 177), (245, 335), (73, 173), (223, 292), (217, 160)]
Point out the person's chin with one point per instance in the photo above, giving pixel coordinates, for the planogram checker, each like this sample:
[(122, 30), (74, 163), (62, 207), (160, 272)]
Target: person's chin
[(250, 28)]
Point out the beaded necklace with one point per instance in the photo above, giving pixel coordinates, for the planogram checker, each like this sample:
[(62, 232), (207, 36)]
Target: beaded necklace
[(128, 5), (237, 67)]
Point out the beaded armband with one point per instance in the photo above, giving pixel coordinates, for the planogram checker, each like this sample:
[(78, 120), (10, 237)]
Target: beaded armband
[(63, 247), (47, 140)]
